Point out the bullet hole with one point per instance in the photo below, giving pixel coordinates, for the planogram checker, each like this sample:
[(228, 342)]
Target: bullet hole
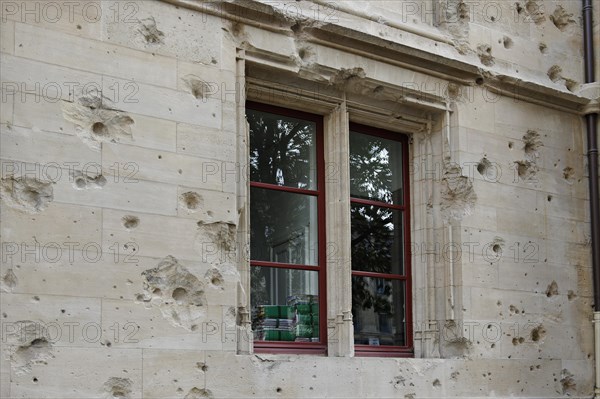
[(518, 8), (552, 289), (479, 81), (527, 170), (483, 166), (515, 341), (510, 145), (157, 292), (179, 294), (149, 31), (79, 27), (26, 193), (507, 41), (568, 382), (497, 248), (493, 346), (62, 311), (191, 200), (215, 277), (513, 309), (499, 303), (130, 222), (543, 48), (179, 171), (571, 85), (568, 174), (532, 142), (160, 157), (35, 379), (538, 333), (571, 295), (549, 198), (198, 87), (100, 129), (436, 383), (554, 73), (202, 366), (36, 298), (278, 390), (561, 19), (484, 51)]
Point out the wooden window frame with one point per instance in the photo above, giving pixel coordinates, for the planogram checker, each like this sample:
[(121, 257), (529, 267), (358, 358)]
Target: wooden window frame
[(315, 348), (388, 350)]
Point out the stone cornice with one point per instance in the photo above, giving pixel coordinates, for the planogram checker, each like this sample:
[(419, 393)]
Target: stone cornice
[(410, 48)]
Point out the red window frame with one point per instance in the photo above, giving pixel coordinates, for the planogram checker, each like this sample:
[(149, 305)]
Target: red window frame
[(388, 350), (317, 348)]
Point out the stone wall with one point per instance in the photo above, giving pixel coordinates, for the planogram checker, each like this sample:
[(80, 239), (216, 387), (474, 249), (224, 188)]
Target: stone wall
[(124, 224)]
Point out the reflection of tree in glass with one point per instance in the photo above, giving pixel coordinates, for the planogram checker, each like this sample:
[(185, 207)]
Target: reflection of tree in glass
[(370, 172), (372, 227), (372, 239), (281, 150)]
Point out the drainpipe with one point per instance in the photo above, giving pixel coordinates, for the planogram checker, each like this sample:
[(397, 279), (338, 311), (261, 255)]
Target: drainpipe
[(592, 143)]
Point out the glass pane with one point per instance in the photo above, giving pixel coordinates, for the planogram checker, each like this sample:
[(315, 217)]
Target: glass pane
[(377, 239), (378, 311), (282, 150), (285, 304), (375, 168), (283, 227)]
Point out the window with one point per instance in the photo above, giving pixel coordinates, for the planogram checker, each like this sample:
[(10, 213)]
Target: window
[(381, 304), (287, 234)]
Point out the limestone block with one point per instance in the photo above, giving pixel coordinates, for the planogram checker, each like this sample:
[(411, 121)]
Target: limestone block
[(160, 28), (46, 82), (156, 236), (59, 319), (58, 223), (206, 142), (480, 273), (204, 81), (136, 163), (37, 114), (149, 132), (94, 56), (67, 376), (116, 192), (173, 373), (563, 206), (115, 273), (511, 222), (7, 32), (480, 378), (80, 19), (165, 103), (46, 149), (145, 327), (206, 206), (478, 115)]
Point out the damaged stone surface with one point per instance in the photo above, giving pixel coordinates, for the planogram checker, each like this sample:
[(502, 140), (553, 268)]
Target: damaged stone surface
[(149, 32), (84, 182), (198, 87), (458, 195), (176, 292), (118, 388), (94, 123), (197, 393), (26, 194), (29, 346), (9, 281)]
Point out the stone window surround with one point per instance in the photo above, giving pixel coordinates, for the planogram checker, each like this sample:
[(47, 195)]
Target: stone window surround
[(430, 141)]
